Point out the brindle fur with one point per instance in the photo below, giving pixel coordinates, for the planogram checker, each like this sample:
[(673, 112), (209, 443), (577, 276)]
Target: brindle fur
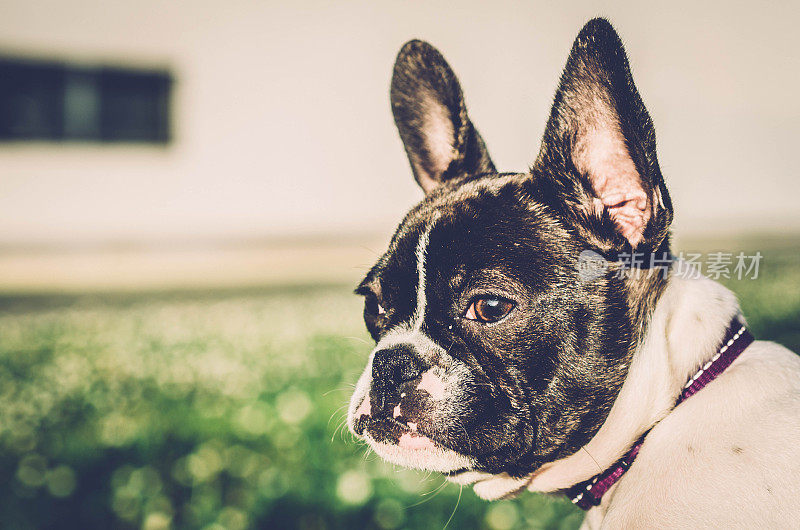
[(541, 384)]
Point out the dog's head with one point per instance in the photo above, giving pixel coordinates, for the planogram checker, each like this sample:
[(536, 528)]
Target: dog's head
[(495, 351)]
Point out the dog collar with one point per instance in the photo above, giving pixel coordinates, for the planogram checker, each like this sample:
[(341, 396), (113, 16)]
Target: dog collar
[(589, 493)]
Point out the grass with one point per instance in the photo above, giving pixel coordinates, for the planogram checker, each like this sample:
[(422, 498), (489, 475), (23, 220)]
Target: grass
[(225, 410)]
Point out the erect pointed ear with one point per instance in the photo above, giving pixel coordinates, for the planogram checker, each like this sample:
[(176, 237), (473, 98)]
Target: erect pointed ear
[(429, 110), (598, 156)]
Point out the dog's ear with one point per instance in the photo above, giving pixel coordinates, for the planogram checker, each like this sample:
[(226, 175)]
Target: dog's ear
[(598, 159), (430, 113)]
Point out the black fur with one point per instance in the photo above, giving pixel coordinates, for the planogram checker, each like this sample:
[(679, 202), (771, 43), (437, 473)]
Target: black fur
[(597, 68), (423, 85), (542, 381)]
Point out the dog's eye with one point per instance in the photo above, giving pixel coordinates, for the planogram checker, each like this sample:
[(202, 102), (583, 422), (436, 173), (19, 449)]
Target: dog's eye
[(489, 309)]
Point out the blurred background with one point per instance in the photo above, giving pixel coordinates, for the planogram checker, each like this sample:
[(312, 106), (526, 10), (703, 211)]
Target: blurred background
[(190, 190)]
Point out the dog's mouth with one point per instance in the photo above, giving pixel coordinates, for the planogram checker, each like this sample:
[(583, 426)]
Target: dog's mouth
[(410, 444), (403, 416), (406, 442), (404, 434)]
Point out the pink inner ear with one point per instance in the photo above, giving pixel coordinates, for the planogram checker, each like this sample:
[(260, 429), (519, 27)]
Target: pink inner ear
[(602, 155), (439, 138)]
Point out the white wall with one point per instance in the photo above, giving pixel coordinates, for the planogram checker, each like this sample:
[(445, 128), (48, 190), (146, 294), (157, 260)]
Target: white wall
[(284, 127)]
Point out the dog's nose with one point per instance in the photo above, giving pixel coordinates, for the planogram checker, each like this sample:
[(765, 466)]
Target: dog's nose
[(391, 367)]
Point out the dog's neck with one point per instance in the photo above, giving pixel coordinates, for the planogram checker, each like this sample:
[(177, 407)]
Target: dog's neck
[(686, 326), (684, 330)]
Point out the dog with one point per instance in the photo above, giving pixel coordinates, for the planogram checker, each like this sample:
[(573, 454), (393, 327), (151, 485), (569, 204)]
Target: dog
[(501, 363)]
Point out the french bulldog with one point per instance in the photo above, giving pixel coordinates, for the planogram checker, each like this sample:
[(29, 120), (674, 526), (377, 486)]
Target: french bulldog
[(500, 363)]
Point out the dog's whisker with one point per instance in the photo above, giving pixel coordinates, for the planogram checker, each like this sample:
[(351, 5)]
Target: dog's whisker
[(339, 428), (432, 494), (346, 435), (458, 501), (435, 490), (359, 339), (466, 436), (593, 460), (334, 413), (348, 386)]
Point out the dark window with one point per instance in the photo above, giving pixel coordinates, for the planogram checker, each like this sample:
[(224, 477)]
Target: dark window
[(54, 101)]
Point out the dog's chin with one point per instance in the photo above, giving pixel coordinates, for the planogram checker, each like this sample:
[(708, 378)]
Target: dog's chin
[(405, 444), (417, 451)]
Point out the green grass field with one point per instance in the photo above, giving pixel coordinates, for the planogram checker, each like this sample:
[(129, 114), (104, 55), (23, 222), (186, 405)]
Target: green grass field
[(225, 410)]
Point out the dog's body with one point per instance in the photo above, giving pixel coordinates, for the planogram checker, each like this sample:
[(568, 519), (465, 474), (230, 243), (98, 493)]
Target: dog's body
[(728, 457), (500, 364)]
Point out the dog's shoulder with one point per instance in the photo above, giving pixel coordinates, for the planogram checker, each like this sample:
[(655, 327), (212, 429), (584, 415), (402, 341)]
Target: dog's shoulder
[(735, 442)]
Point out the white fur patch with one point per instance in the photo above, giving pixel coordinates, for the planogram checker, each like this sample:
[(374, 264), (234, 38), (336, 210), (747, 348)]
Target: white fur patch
[(414, 450), (421, 254), (490, 487)]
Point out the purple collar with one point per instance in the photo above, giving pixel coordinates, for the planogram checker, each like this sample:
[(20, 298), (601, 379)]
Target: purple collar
[(589, 493)]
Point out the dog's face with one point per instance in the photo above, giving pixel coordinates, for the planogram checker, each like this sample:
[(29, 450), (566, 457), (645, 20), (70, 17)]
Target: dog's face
[(495, 352)]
